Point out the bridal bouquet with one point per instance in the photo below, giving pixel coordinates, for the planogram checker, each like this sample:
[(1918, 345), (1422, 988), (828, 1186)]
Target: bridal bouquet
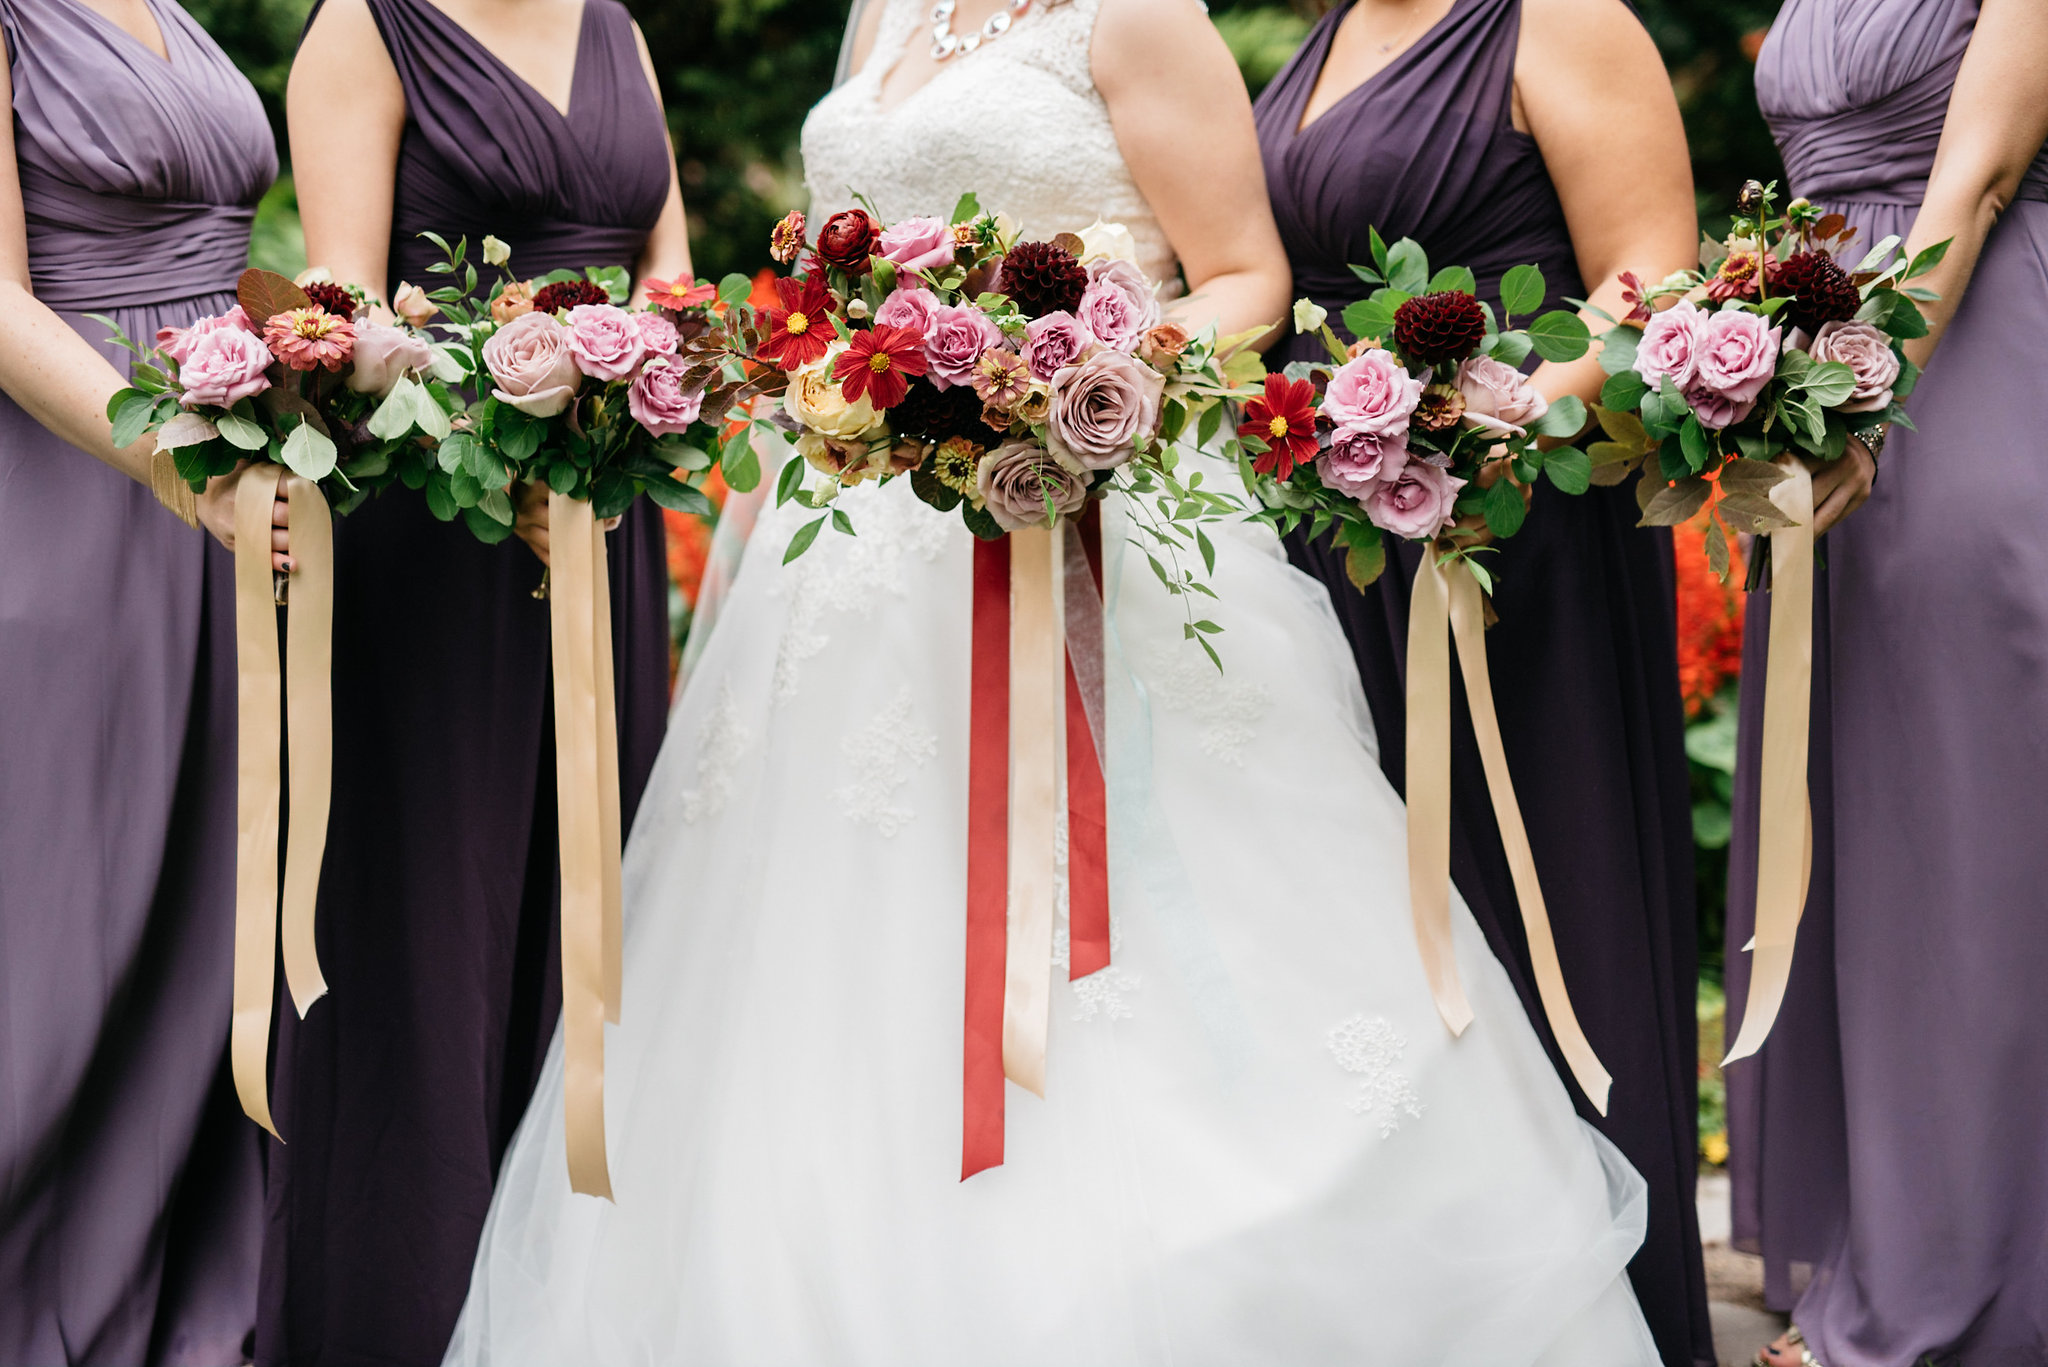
[(1410, 427)]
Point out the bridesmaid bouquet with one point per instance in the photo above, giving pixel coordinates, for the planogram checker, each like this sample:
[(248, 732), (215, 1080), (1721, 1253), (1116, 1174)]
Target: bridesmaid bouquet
[(1396, 434)]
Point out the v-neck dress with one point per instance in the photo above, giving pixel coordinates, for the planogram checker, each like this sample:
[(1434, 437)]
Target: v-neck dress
[(130, 1186), (398, 1093), (1584, 657)]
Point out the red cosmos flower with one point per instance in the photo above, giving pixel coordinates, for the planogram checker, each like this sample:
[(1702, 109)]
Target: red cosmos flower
[(1284, 418), (800, 331), (879, 362), (679, 293)]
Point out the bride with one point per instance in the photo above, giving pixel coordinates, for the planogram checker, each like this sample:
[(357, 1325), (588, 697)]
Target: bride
[(1258, 1144)]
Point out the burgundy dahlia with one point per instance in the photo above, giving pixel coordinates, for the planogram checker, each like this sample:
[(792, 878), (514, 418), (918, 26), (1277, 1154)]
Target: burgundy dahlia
[(936, 415), (1043, 278), (1821, 290), (332, 297), (848, 239), (567, 294), (1441, 327)]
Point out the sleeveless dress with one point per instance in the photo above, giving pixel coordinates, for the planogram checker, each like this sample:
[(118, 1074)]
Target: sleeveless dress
[(1584, 655), (1887, 1144), (1259, 1145), (130, 1185), (398, 1093)]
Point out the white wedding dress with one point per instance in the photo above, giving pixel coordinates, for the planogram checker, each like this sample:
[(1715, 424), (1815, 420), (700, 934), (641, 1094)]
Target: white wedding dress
[(1259, 1146)]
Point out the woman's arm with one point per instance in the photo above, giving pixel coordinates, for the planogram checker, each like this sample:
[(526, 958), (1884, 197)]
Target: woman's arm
[(345, 152), (1592, 91), (63, 381), (1184, 122), (1997, 121), (667, 253)]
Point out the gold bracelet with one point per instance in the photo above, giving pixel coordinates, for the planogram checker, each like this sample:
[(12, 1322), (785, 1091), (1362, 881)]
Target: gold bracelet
[(171, 490)]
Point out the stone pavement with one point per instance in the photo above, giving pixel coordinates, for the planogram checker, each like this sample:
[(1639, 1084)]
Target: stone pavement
[(1735, 1282)]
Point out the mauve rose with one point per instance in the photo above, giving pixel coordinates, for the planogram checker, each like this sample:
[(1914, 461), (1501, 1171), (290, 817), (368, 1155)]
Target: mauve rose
[(918, 244), (1372, 393), (1715, 410), (514, 301), (411, 303), (606, 341), (1118, 307), (657, 334), (177, 343), (1163, 346), (958, 335), (908, 306), (1054, 341), (1417, 502), (1100, 406), (383, 355), (1017, 478), (1358, 462), (531, 362), (1499, 399), (848, 239), (1669, 346), (1865, 349), (222, 367), (1738, 354), (658, 401)]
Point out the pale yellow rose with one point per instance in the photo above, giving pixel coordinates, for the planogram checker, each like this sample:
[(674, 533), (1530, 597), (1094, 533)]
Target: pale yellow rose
[(814, 400), (1107, 241)]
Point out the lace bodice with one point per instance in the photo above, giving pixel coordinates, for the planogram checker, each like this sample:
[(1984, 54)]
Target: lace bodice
[(1019, 122)]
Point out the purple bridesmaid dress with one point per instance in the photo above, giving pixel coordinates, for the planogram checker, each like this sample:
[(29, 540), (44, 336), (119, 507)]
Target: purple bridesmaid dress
[(399, 1093), (1890, 1143), (130, 1187), (1584, 658)]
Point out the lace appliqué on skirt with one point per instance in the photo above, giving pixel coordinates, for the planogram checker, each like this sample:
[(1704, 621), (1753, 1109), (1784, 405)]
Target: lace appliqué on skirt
[(884, 754), (721, 744), (1371, 1047), (1228, 710)]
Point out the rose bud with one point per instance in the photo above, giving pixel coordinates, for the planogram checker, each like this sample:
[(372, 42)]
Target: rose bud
[(1162, 346), (411, 303), (513, 301), (496, 252), (848, 239)]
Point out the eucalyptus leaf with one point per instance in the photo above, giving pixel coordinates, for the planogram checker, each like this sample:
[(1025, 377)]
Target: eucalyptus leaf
[(1623, 392), (1566, 417), (484, 527), (496, 504), (242, 433), (1560, 336), (1454, 278), (308, 452), (735, 288), (1509, 348), (395, 415), (1504, 509), (1570, 469), (1408, 266), (1521, 290), (1618, 348), (966, 209)]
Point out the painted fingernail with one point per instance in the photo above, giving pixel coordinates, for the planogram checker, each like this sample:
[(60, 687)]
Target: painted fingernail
[(289, 567)]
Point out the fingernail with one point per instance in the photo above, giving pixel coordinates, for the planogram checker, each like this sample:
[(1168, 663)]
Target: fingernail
[(289, 567)]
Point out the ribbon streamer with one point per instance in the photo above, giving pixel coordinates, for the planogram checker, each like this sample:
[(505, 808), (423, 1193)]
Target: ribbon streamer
[(576, 559), (988, 830), (1784, 859), (1087, 797), (1037, 689), (264, 692)]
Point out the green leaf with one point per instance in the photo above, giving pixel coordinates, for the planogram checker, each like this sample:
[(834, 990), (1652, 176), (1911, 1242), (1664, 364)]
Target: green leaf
[(735, 288), (1927, 259), (466, 491), (1454, 278), (1829, 383), (131, 419), (119, 397), (483, 465), (1664, 409), (681, 497), (1210, 424), (1618, 347), (801, 542), (1560, 336), (1208, 550), (789, 481), (1374, 317), (841, 523), (308, 452), (1509, 348), (1570, 469), (1692, 442), (1521, 290), (394, 416), (1504, 509), (742, 468), (1565, 418), (496, 504), (1408, 266), (1877, 255), (484, 527), (1670, 506), (966, 209), (1623, 392), (516, 435), (242, 433), (1378, 247)]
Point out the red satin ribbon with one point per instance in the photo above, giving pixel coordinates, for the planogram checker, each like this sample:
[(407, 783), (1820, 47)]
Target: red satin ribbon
[(988, 862), (1087, 803)]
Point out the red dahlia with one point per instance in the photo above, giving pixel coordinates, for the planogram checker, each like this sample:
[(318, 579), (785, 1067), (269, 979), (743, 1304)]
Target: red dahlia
[(1447, 325), (334, 298), (848, 239), (1284, 418), (1821, 290), (1043, 278), (800, 331), (567, 294), (878, 363)]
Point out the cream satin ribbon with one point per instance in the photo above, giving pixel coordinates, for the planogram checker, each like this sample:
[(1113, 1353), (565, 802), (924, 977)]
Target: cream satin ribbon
[(1037, 695), (1456, 595), (576, 559), (261, 696), (1784, 857)]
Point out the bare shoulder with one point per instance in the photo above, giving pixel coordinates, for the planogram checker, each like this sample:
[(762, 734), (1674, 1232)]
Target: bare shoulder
[(1585, 34), (344, 32), (867, 22), (1147, 42)]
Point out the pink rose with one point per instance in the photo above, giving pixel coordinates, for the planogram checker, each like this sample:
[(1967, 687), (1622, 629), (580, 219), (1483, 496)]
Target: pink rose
[(958, 335), (177, 343), (1499, 399), (1738, 354), (908, 306), (1358, 462), (383, 355), (918, 244), (1118, 307), (1416, 503), (1714, 410), (657, 333), (533, 366), (1670, 345), (1053, 342), (1100, 406), (1865, 349), (1017, 479), (1372, 393), (223, 366), (606, 341), (658, 401)]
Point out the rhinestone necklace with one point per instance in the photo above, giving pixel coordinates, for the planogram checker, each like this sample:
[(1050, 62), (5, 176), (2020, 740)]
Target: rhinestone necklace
[(946, 43)]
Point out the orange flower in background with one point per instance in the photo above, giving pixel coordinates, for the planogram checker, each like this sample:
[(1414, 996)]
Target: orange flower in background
[(1709, 618)]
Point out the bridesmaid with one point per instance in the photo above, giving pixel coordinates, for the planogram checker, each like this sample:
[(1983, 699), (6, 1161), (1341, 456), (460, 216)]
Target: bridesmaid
[(1498, 132), (537, 121), (130, 1186), (1889, 1138)]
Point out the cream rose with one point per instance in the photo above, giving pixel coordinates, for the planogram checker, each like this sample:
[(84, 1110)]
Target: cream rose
[(814, 400)]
